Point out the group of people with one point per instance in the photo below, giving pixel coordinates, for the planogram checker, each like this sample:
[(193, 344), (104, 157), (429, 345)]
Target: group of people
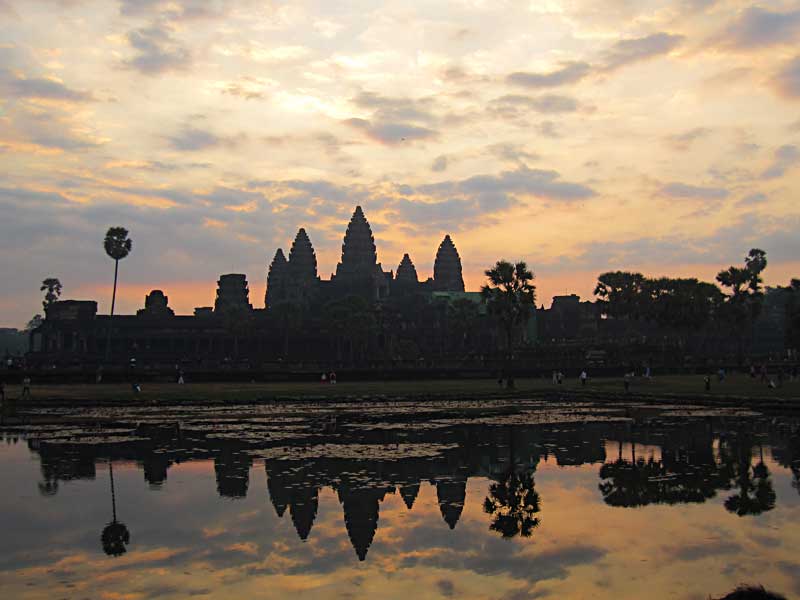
[(762, 372), (328, 377), (558, 377)]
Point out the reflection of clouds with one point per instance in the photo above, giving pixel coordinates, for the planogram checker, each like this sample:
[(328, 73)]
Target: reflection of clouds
[(242, 549)]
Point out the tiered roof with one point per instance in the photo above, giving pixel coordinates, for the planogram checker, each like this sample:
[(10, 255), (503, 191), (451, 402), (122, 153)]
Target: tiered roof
[(406, 272), (302, 259), (276, 279), (358, 250), (447, 276)]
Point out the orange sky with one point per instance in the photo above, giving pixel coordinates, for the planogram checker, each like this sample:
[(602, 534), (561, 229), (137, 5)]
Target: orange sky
[(661, 135)]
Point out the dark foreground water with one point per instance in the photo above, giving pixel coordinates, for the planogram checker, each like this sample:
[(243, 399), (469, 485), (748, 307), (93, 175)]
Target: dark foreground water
[(599, 504)]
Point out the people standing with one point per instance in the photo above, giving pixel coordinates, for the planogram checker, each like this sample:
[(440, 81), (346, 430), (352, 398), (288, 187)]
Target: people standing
[(26, 388), (584, 377), (626, 381), (707, 380), (332, 378)]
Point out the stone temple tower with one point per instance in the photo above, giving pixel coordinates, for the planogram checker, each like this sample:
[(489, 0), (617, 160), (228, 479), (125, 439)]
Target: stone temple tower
[(277, 280), (301, 271), (447, 275), (359, 256), (359, 271), (406, 272), (302, 259), (233, 293)]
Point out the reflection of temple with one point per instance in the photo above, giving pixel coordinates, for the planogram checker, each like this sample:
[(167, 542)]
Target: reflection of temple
[(695, 460)]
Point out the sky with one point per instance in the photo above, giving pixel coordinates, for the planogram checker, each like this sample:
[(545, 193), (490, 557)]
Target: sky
[(651, 135)]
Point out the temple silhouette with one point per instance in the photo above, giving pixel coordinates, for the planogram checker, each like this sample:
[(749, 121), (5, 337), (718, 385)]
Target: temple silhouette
[(357, 274), (364, 318), (360, 312)]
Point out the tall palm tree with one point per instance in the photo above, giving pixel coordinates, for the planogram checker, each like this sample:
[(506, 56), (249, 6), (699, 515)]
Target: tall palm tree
[(115, 536), (117, 245), (510, 297)]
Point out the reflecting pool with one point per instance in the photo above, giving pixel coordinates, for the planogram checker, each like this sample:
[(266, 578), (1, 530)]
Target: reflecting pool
[(399, 501)]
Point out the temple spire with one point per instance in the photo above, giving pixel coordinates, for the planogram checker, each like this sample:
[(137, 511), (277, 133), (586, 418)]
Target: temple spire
[(406, 271), (447, 276), (359, 256), (302, 259), (277, 277)]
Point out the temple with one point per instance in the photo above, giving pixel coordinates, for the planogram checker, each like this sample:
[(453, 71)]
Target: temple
[(357, 316), (367, 320), (358, 273)]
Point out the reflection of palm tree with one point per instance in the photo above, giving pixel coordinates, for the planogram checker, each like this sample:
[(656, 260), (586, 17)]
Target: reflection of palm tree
[(513, 503), (756, 494), (115, 536)]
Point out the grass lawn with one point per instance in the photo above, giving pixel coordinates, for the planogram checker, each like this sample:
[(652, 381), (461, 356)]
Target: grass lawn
[(688, 385)]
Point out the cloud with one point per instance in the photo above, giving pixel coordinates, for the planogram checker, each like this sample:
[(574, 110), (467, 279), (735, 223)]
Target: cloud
[(7, 9), (385, 108), (175, 10), (440, 164), (395, 120), (512, 152), (753, 199), (391, 133), (757, 27), (683, 141), (249, 88), (787, 79), (785, 158), (568, 73), (684, 190), (725, 245), (54, 129), (39, 87), (537, 183), (548, 129), (191, 139), (157, 51), (625, 52), (515, 106)]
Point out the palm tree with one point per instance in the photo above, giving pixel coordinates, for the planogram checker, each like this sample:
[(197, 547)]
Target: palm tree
[(117, 246), (510, 297), (115, 536), (746, 297), (53, 288)]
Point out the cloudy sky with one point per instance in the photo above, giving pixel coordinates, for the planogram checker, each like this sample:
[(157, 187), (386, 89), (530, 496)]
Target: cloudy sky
[(656, 135)]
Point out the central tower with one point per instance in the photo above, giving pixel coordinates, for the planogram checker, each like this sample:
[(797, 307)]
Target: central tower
[(359, 272), (359, 257)]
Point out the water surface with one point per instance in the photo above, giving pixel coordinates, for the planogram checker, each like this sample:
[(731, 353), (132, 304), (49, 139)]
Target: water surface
[(275, 503)]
